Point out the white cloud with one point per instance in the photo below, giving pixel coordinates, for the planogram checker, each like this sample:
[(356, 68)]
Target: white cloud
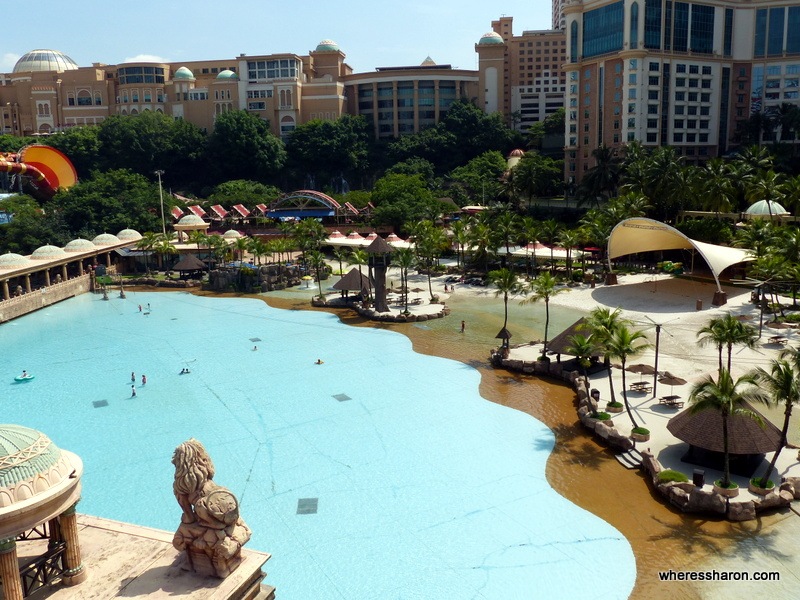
[(7, 62), (145, 58)]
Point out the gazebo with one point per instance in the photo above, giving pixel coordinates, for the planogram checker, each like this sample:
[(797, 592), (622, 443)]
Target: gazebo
[(747, 440), (40, 485), (189, 264)]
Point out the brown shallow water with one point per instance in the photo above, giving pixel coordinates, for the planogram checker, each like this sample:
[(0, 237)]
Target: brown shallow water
[(586, 473)]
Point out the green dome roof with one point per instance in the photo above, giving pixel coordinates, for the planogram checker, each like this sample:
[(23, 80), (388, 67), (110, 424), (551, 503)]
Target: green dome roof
[(129, 235), (764, 208), (183, 73), (227, 74), (191, 220), (48, 252), (79, 245), (327, 46), (24, 454), (491, 38), (11, 260), (231, 234), (105, 239)]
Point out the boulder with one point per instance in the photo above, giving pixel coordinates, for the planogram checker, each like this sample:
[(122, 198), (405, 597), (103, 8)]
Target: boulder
[(771, 500), (795, 483), (676, 496), (742, 511), (702, 501), (603, 429), (650, 465), (620, 440), (788, 487)]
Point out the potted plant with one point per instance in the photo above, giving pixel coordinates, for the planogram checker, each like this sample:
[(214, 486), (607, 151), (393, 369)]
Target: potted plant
[(640, 434), (729, 491), (758, 486), (615, 407)]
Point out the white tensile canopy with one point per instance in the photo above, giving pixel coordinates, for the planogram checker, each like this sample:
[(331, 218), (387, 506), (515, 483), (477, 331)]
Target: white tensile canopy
[(647, 235)]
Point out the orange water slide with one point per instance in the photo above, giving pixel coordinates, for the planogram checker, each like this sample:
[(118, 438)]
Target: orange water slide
[(45, 168)]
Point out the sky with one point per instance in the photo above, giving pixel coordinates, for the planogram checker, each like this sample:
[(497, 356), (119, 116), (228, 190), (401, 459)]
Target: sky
[(371, 33)]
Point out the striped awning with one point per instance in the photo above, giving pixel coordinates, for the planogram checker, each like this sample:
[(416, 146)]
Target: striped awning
[(176, 212), (219, 211), (197, 210), (239, 208), (263, 208)]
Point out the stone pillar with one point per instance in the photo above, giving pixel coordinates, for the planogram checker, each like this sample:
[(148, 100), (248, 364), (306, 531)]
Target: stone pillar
[(6, 293), (80, 267), (64, 275), (28, 283), (108, 259), (75, 571), (9, 570), (47, 277)]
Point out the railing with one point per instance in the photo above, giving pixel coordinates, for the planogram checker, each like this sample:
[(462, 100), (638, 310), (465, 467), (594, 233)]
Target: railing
[(34, 300), (43, 569), (40, 532)]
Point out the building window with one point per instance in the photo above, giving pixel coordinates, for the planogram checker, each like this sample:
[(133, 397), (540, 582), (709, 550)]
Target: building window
[(84, 98), (652, 80), (603, 29), (677, 138), (652, 138), (679, 110), (680, 68)]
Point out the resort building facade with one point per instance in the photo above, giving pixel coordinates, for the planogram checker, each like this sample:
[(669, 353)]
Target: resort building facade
[(521, 76), (679, 74), (48, 92)]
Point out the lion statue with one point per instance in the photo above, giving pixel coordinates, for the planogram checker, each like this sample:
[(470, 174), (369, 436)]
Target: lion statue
[(206, 507)]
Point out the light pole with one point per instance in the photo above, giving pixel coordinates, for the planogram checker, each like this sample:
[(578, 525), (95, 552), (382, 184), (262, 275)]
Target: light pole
[(159, 172)]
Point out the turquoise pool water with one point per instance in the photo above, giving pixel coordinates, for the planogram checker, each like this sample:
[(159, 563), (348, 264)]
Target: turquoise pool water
[(423, 489)]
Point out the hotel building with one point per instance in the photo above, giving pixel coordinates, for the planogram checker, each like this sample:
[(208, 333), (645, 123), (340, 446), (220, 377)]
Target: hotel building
[(47, 92), (521, 76), (681, 74)]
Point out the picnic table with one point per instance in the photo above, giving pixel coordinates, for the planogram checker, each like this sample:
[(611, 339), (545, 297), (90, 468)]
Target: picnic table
[(671, 401), (641, 386)]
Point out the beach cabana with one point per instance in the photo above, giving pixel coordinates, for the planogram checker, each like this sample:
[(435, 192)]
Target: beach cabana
[(353, 281), (747, 440), (188, 265), (639, 234)]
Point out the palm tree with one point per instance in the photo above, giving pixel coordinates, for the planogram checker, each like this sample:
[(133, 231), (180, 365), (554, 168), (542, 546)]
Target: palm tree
[(727, 331), (146, 244), (766, 186), (404, 259), (460, 239), (316, 260), (727, 397), (359, 257), (164, 246), (544, 287), (242, 245), (507, 284), (583, 348), (340, 254), (550, 232), (569, 239), (621, 345), (717, 186), (602, 322), (782, 385), (505, 228)]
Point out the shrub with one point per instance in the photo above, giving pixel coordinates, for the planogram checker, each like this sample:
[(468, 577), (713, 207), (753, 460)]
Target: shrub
[(615, 404), (731, 486), (601, 416), (641, 430), (759, 482), (668, 475)]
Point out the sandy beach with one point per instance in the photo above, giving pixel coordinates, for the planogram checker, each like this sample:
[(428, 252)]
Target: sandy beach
[(587, 473)]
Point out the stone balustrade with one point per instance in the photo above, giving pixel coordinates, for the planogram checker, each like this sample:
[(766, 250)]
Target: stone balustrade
[(27, 303)]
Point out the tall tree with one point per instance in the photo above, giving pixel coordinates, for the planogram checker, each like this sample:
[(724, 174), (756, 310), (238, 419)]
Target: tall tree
[(544, 287), (507, 284), (243, 147), (622, 344), (782, 386), (727, 397)]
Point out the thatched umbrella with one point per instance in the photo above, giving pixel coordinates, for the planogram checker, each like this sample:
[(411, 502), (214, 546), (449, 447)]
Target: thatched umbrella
[(745, 436), (641, 369)]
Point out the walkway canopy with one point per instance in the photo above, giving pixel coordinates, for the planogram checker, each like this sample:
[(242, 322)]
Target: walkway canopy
[(646, 235)]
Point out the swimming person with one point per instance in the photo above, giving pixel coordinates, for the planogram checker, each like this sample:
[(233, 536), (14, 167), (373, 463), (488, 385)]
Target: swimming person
[(144, 378), (133, 391), (24, 373), (319, 361), (133, 377), (463, 326), (255, 348)]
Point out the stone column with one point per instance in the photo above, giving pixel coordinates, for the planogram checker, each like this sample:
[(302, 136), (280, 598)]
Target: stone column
[(80, 267), (6, 293), (108, 259), (64, 276), (75, 571), (28, 283), (9, 570), (47, 277)]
